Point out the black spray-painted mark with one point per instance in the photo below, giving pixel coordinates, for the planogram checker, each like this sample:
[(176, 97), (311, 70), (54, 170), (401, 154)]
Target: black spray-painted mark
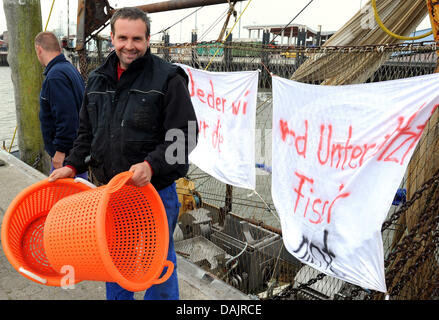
[(321, 257)]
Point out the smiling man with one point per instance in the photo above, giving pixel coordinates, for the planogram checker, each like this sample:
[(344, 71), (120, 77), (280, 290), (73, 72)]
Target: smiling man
[(130, 41), (130, 103)]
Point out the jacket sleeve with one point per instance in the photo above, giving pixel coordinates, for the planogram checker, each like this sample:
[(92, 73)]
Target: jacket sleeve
[(82, 144), (179, 120), (64, 113)]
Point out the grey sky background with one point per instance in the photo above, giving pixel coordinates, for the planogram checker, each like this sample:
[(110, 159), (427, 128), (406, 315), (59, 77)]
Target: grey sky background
[(331, 14)]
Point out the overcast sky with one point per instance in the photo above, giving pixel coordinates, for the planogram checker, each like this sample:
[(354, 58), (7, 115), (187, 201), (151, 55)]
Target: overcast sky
[(331, 14)]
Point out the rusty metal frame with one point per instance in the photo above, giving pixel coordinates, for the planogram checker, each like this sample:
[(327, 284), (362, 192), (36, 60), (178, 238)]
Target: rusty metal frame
[(180, 4), (94, 15), (433, 11)]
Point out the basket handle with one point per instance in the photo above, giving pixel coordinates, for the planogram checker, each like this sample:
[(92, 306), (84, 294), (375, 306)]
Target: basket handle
[(32, 275), (118, 181), (83, 181), (168, 273)]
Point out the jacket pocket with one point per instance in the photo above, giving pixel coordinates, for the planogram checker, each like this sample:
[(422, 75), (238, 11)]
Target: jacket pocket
[(93, 116), (98, 146), (97, 108), (136, 151), (142, 112)]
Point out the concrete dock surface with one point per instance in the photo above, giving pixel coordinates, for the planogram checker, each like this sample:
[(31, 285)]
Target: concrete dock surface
[(194, 282)]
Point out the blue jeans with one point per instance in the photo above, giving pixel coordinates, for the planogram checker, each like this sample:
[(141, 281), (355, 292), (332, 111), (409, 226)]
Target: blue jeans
[(169, 289)]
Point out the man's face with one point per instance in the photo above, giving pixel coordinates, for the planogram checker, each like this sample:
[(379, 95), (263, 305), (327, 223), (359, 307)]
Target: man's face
[(129, 40)]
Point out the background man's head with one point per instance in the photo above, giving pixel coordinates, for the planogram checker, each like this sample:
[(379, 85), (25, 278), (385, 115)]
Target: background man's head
[(46, 47), (130, 34)]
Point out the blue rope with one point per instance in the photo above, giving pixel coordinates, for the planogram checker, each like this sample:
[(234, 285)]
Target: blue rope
[(263, 167)]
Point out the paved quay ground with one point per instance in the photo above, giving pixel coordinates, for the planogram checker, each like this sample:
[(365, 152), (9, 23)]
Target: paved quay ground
[(194, 282)]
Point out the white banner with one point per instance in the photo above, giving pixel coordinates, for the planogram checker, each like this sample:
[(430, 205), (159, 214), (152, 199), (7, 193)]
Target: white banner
[(225, 105), (339, 155)]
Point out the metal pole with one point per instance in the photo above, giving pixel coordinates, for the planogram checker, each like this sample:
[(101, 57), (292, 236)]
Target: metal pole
[(166, 51), (239, 30), (228, 57), (177, 4), (227, 205), (196, 27), (433, 10), (319, 36), (194, 48), (68, 23)]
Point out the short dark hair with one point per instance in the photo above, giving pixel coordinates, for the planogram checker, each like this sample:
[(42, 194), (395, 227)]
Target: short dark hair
[(48, 41), (131, 13)]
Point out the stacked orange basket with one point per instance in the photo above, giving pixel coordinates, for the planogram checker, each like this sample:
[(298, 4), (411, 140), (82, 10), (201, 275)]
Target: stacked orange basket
[(114, 233)]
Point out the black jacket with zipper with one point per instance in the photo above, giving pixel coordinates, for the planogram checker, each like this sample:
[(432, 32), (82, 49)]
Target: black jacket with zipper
[(125, 122)]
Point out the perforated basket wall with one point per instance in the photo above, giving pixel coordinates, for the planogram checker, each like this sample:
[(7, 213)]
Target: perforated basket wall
[(23, 226), (110, 235)]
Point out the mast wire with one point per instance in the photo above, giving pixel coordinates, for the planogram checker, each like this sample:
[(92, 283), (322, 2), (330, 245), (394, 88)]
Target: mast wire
[(230, 32), (166, 29)]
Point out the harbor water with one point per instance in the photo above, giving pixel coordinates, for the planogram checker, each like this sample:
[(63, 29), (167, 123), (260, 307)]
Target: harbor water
[(8, 120)]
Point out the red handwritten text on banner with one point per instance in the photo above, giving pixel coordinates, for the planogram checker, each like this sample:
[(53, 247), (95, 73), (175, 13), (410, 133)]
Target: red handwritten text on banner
[(225, 105), (339, 155)]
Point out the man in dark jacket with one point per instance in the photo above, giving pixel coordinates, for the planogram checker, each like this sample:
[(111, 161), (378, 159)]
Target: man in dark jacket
[(60, 98), (132, 101)]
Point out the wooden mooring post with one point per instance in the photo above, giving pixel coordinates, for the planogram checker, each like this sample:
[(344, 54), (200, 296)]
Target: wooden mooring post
[(23, 18)]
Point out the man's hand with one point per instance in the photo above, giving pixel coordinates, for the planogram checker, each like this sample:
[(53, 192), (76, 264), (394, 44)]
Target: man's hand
[(61, 173), (58, 159), (141, 174)]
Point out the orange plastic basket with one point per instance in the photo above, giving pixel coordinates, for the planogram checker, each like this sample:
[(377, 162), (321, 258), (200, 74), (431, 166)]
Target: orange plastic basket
[(23, 224), (114, 233)]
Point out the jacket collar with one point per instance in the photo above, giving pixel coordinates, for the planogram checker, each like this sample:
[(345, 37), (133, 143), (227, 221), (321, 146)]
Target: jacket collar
[(59, 58)]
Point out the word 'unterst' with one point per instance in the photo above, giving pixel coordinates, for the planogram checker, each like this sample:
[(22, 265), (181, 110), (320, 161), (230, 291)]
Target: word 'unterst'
[(393, 147)]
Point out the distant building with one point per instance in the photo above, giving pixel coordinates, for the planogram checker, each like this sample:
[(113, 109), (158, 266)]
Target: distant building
[(293, 35), (5, 37), (4, 41), (420, 32), (4, 49)]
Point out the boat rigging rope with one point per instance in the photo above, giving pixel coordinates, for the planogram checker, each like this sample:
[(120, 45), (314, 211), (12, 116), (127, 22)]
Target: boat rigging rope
[(16, 127), (286, 26), (50, 13), (390, 33), (166, 29), (206, 32), (216, 52)]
